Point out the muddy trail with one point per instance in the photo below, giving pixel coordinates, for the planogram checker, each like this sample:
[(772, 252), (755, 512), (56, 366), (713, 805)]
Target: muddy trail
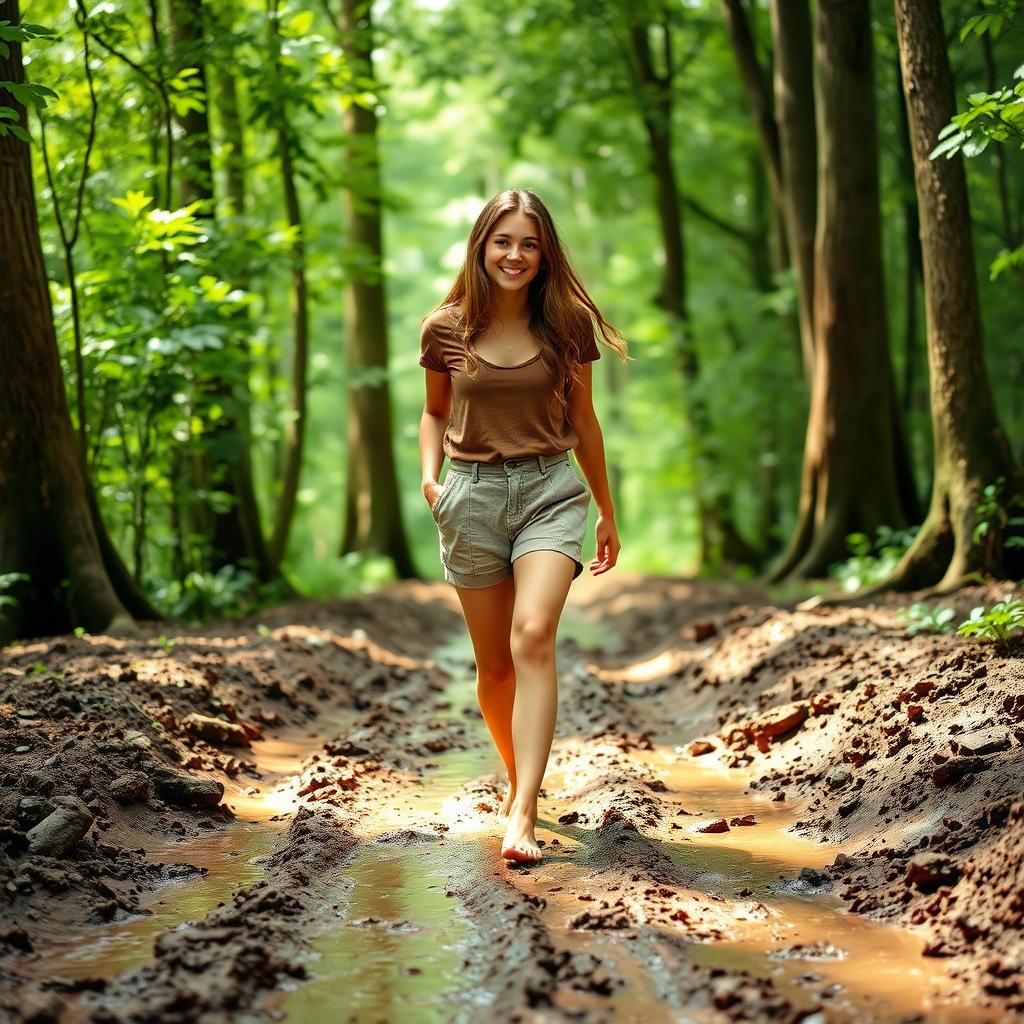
[(750, 813)]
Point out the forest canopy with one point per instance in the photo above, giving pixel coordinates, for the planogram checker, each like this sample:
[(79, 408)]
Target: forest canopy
[(224, 222)]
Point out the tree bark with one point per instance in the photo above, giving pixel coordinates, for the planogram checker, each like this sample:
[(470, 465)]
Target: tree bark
[(46, 529), (854, 452), (971, 448), (719, 537), (794, 116), (372, 518), (236, 534), (757, 84)]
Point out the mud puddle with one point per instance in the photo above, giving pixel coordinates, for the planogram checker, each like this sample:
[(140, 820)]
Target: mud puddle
[(396, 940), (390, 937), (229, 859)]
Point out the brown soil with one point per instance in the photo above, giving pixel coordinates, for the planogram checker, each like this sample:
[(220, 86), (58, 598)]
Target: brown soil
[(898, 757)]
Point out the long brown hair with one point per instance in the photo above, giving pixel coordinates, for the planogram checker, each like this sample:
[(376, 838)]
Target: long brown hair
[(562, 314)]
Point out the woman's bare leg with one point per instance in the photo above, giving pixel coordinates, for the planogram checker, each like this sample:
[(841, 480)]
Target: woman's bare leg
[(488, 614), (542, 580)]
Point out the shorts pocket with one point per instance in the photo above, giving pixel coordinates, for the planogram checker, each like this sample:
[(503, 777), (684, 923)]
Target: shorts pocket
[(577, 485), (455, 524), (450, 483)]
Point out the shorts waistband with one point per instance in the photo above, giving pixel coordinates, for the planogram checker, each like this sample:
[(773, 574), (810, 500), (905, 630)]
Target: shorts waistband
[(524, 463)]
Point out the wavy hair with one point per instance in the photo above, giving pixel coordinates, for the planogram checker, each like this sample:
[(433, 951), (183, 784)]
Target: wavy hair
[(562, 314)]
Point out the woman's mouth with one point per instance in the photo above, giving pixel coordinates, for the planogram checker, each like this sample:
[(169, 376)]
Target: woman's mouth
[(511, 272)]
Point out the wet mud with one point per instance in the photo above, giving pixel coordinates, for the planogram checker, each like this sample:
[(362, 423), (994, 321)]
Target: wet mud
[(750, 813)]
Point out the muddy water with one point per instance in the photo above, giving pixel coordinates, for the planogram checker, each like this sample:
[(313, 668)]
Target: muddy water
[(389, 940), (231, 858), (397, 940)]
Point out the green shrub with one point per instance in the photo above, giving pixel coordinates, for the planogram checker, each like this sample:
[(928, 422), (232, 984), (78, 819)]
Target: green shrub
[(998, 624), (923, 619), (872, 561)]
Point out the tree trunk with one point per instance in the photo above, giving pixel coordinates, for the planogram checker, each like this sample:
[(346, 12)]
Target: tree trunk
[(757, 84), (717, 530), (971, 449), (46, 529), (854, 451), (226, 461), (794, 116), (372, 513)]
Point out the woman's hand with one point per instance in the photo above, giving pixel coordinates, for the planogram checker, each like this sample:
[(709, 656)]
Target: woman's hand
[(433, 487), (608, 546)]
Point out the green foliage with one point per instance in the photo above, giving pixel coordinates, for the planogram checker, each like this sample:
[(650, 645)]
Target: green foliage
[(997, 116), (1000, 521), (8, 581), (28, 94), (924, 619), (998, 624), (872, 560), (202, 596)]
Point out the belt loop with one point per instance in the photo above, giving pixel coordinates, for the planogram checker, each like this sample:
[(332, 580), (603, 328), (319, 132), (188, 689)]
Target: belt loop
[(476, 471), (543, 467)]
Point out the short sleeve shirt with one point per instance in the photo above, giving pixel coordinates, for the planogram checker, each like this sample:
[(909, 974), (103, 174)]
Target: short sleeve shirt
[(504, 412)]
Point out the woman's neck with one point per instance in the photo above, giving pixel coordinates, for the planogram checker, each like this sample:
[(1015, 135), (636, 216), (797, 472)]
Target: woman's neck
[(510, 307)]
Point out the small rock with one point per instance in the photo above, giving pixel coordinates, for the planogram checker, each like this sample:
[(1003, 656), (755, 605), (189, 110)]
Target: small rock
[(838, 777), (719, 825), (32, 810), (988, 741), (61, 830), (746, 819), (699, 748), (927, 871), (812, 876), (131, 788), (187, 790), (138, 739), (216, 730), (956, 768)]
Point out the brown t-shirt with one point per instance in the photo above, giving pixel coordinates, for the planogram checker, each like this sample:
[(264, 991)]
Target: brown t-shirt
[(503, 412)]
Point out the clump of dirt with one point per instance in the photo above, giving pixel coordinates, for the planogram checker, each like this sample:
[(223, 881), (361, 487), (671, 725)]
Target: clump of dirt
[(905, 749), (110, 744)]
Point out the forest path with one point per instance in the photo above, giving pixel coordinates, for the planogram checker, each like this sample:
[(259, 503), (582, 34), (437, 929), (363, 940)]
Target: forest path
[(360, 876)]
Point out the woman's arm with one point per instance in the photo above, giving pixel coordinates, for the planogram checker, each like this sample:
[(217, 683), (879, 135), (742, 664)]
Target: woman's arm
[(436, 412), (590, 456)]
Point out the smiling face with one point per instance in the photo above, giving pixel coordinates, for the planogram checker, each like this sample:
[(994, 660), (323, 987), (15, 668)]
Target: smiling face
[(512, 253)]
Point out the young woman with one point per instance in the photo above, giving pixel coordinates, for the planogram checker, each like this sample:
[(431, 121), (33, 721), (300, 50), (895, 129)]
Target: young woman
[(508, 391)]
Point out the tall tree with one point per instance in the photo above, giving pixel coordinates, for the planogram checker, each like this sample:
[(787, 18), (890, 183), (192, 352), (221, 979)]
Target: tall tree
[(46, 527), (295, 428), (758, 85), (793, 89), (854, 455), (971, 448), (226, 462), (372, 514), (653, 77)]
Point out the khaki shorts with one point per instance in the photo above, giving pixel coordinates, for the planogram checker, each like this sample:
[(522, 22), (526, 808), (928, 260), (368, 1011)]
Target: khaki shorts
[(489, 514)]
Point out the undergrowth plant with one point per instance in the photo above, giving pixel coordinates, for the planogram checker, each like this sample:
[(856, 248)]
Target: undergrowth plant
[(1000, 525), (872, 560), (921, 618), (997, 625)]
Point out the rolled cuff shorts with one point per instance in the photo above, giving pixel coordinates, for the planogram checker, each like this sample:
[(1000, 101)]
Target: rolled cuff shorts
[(489, 514)]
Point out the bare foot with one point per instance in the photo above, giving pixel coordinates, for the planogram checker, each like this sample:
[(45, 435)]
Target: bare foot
[(520, 843)]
